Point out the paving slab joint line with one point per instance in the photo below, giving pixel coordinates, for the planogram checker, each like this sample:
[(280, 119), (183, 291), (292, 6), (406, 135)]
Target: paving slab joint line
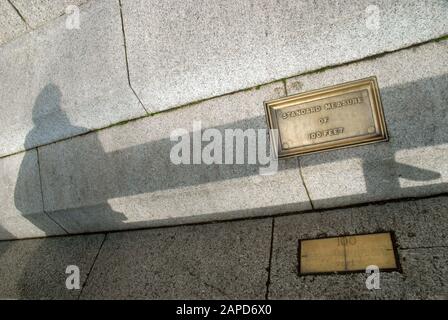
[(21, 17), (148, 112), (285, 86), (271, 249), (304, 183), (42, 195), (424, 247), (84, 284), (30, 29), (309, 72)]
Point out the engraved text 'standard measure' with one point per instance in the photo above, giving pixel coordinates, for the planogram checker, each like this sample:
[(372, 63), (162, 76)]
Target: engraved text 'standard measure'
[(330, 118)]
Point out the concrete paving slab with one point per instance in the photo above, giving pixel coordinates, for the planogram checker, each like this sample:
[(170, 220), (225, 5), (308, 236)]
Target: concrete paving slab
[(21, 214), (423, 277), (36, 269), (422, 252), (213, 261), (59, 82), (38, 12), (11, 25), (414, 90), (193, 50), (123, 177)]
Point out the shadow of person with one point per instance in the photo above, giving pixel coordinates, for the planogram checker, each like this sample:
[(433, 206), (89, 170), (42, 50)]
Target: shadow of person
[(387, 177), (48, 118)]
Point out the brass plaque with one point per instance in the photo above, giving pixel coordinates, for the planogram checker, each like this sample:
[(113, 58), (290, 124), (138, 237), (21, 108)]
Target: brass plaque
[(334, 117), (347, 254)]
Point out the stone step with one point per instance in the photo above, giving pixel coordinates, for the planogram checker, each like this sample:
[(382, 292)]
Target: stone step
[(123, 177), (175, 53)]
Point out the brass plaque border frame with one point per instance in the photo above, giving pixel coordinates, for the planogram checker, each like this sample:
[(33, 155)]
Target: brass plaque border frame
[(393, 238), (369, 83)]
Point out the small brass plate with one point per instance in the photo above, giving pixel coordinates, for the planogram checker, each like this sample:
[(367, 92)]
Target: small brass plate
[(347, 254), (330, 118)]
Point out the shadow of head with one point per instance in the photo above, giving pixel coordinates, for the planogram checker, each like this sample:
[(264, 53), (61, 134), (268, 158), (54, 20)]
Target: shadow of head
[(50, 122), (47, 107)]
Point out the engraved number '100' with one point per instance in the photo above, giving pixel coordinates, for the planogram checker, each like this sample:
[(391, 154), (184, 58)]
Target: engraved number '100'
[(346, 241)]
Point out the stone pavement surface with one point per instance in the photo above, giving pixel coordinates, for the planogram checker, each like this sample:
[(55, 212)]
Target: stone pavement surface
[(167, 54), (59, 82), (209, 48), (123, 177), (414, 92), (223, 261), (234, 260), (39, 12), (35, 269), (422, 240), (11, 25), (22, 213), (87, 117)]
